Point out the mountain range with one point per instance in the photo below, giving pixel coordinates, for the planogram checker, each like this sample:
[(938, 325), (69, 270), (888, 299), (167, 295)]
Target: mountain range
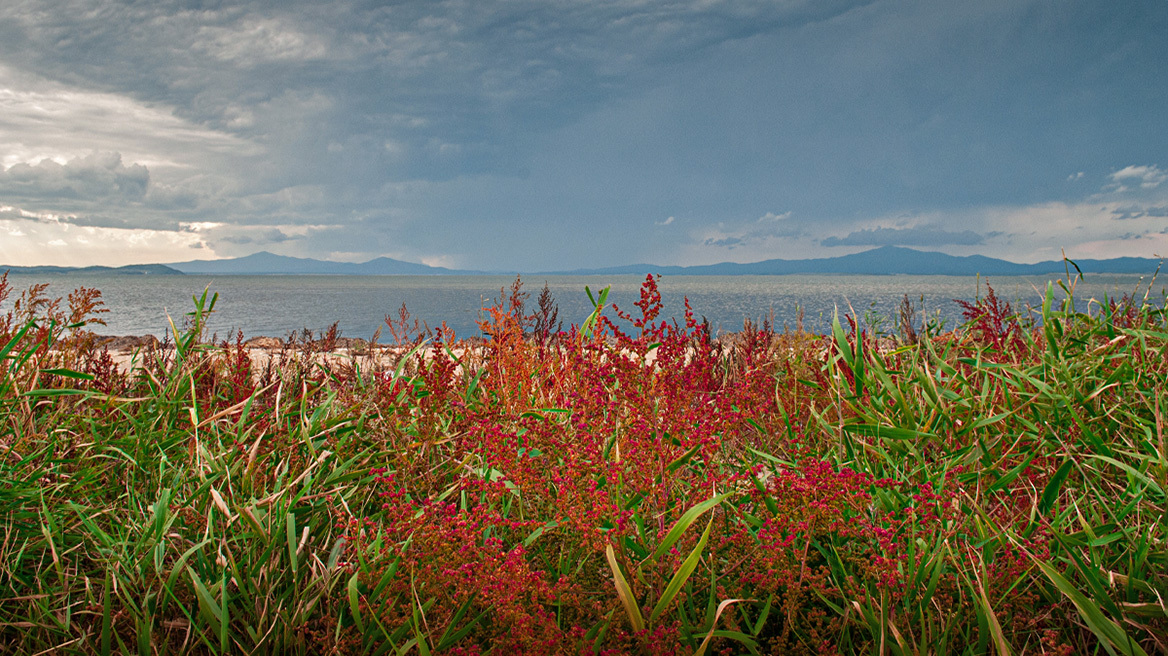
[(893, 260), (265, 263), (886, 260)]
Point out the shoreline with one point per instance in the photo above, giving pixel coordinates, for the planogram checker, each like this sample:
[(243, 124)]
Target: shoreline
[(129, 351)]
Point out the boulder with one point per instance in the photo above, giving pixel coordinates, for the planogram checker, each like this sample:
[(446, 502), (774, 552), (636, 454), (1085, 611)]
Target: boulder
[(269, 343), (129, 343)]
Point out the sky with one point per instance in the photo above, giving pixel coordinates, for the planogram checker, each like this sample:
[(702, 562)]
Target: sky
[(530, 135)]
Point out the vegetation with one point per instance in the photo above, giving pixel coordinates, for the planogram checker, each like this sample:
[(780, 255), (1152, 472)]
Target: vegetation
[(627, 486)]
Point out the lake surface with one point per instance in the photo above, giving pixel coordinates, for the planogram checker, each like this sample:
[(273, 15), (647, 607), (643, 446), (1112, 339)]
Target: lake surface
[(279, 305)]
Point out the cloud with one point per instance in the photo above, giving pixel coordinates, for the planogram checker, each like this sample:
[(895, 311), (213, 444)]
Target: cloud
[(452, 84), (171, 197), (492, 129), (101, 189), (255, 41), (10, 212), (30, 243), (1136, 212), (268, 236), (726, 242), (102, 158), (1043, 231), (1020, 233), (1133, 236), (767, 228), (926, 235), (1148, 177), (46, 119), (97, 176)]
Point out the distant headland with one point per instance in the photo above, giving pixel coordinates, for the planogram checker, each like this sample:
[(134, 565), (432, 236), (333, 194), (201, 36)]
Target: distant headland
[(131, 270)]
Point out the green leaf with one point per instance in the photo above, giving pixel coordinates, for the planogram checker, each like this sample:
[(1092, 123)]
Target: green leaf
[(763, 615), (733, 635), (990, 619), (539, 531), (1009, 476), (1132, 471), (624, 591), (7, 348), (106, 628), (1112, 636), (207, 602), (1054, 486), (684, 523), (891, 432), (598, 308), (38, 393), (681, 460), (681, 575), (354, 602), (449, 639), (68, 373), (290, 525), (1049, 321)]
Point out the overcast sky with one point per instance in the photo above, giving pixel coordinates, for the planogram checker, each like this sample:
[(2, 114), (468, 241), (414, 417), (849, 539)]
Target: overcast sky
[(534, 135)]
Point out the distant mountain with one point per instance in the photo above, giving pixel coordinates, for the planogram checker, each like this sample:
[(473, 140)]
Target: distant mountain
[(264, 263), (891, 260), (131, 270), (886, 260)]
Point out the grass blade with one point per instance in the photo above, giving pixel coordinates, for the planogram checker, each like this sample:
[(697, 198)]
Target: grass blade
[(681, 575), (624, 592), (1110, 634)]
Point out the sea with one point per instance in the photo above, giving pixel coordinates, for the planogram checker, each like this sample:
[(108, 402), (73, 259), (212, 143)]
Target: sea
[(279, 305)]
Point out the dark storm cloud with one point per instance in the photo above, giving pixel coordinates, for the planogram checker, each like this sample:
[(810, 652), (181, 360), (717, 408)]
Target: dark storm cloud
[(447, 86), (507, 134)]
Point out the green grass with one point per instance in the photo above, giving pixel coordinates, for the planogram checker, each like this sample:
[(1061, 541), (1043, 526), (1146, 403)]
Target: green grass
[(999, 488)]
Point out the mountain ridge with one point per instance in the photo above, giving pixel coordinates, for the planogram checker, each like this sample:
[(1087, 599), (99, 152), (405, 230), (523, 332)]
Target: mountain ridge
[(889, 260), (265, 263), (885, 260)]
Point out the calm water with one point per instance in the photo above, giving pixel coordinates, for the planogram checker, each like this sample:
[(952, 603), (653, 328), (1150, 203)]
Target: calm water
[(279, 305)]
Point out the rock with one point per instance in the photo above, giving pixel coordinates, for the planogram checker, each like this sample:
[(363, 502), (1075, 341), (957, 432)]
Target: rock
[(269, 343), (128, 343)]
